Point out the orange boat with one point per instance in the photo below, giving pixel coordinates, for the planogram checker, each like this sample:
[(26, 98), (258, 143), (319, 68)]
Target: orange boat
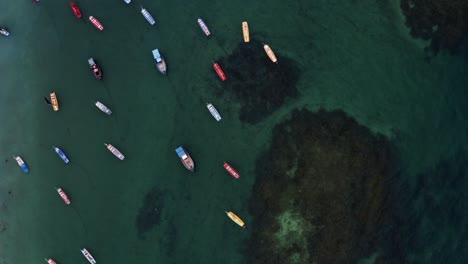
[(54, 101), (236, 219), (270, 53), (219, 71), (245, 31)]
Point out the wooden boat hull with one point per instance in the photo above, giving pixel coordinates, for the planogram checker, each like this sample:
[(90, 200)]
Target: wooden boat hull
[(245, 31), (270, 53), (54, 101)]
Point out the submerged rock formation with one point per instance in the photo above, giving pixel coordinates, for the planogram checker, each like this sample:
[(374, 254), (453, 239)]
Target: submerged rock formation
[(260, 86), (324, 194), (150, 212), (443, 22)]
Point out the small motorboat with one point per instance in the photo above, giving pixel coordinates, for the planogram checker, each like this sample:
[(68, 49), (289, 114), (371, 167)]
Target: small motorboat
[(270, 53), (103, 108), (185, 158), (245, 31), (219, 71), (236, 219), (75, 9), (96, 23), (160, 62), (50, 261), (95, 68), (54, 101), (4, 32), (203, 27), (88, 256), (63, 195), (231, 170), (115, 151), (22, 164), (61, 154), (127, 1), (213, 111), (147, 16)]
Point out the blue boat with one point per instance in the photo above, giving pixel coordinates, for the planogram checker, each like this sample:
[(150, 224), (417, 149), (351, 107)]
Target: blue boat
[(61, 154), (185, 158), (21, 163)]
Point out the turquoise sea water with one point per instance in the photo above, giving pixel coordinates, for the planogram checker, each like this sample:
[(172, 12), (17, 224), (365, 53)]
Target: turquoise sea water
[(354, 55)]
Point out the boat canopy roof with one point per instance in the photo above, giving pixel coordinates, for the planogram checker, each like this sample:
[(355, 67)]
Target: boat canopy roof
[(157, 55), (181, 152)]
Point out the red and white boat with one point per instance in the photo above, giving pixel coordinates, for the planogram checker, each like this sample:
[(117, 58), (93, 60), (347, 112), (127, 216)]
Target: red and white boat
[(203, 27), (231, 170), (63, 195), (219, 71), (96, 23), (75, 9), (50, 261)]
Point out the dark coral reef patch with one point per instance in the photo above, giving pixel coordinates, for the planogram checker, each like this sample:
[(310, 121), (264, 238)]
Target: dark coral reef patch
[(150, 212), (324, 193), (259, 85), (443, 22)]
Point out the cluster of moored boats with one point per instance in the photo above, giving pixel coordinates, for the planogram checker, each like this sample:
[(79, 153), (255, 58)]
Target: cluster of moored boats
[(182, 153)]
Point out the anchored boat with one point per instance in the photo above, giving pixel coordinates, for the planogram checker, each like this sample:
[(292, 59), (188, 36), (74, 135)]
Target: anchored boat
[(75, 9), (245, 31), (185, 158), (219, 71), (54, 101), (270, 53), (103, 108), (236, 219), (95, 68), (231, 170), (203, 27), (114, 151), (22, 164), (4, 32), (160, 62), (147, 16), (61, 154), (50, 261), (96, 23), (88, 256), (127, 1), (213, 111), (63, 195)]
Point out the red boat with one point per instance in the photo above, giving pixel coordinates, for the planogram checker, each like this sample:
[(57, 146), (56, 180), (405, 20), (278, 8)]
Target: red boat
[(96, 23), (63, 195), (219, 71), (231, 170), (75, 9)]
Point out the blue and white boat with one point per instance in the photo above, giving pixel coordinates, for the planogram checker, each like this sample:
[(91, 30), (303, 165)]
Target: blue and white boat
[(160, 62), (213, 111), (185, 158), (88, 256), (147, 16), (61, 154), (21, 163)]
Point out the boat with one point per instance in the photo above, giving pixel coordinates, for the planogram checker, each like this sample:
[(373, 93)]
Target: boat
[(22, 164), (236, 219), (127, 1), (213, 111), (63, 195), (270, 53), (50, 261), (185, 158), (219, 71), (61, 154), (147, 16), (75, 9), (203, 27), (88, 256), (231, 170), (160, 62), (54, 101), (95, 68), (245, 31), (114, 151), (103, 108), (96, 23), (4, 32)]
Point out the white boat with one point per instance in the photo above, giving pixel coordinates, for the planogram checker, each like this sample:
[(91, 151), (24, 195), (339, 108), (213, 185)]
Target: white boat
[(115, 151), (213, 112), (203, 27), (4, 32), (103, 107), (147, 16), (127, 1), (88, 256)]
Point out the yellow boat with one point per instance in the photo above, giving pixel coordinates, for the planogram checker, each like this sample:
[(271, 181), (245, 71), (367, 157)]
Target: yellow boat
[(270, 53), (54, 101), (245, 31), (236, 219)]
